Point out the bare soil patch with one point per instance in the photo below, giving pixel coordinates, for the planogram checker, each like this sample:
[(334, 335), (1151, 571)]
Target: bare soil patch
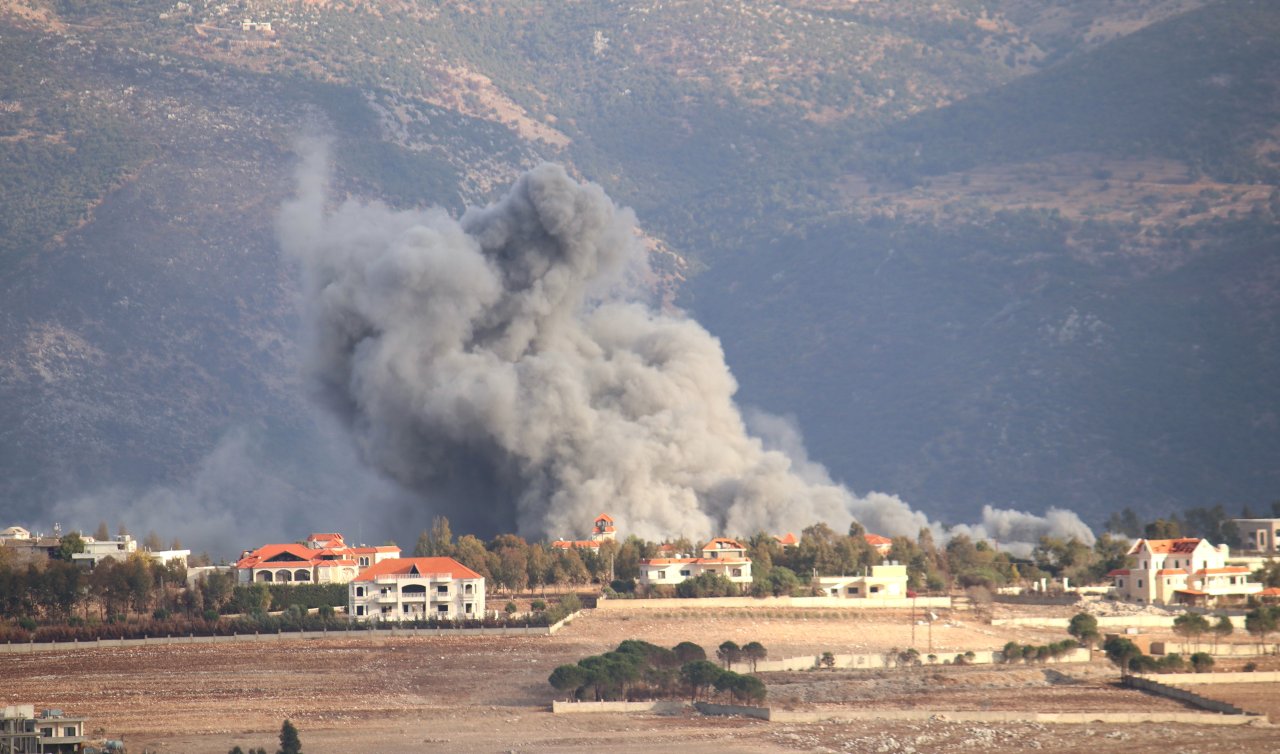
[(374, 694)]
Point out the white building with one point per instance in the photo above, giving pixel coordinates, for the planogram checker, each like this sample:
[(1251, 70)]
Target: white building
[(406, 589), (23, 732), (1259, 534), (888, 580), (15, 532), (323, 559), (1181, 571), (726, 557)]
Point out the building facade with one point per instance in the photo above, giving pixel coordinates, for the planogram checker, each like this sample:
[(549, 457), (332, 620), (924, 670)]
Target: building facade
[(602, 530), (885, 581), (1188, 571), (51, 732), (321, 559), (1259, 534), (722, 556), (408, 589)]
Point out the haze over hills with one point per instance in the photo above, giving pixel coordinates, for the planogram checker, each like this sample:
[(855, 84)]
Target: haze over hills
[(983, 252)]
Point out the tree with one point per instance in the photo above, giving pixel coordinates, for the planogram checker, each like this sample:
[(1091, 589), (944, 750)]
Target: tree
[(1260, 622), (69, 545), (1201, 662), (152, 542), (754, 651), (728, 653), (1221, 630), (1191, 626), (289, 741), (102, 534), (568, 678), (438, 542), (1121, 652), (687, 651), (1084, 627), (698, 675)]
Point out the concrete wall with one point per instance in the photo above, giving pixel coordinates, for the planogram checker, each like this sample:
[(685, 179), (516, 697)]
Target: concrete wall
[(777, 603), (732, 710), (1152, 686), (1222, 650), (979, 716), (876, 661), (1105, 621), (665, 707), (1189, 679)]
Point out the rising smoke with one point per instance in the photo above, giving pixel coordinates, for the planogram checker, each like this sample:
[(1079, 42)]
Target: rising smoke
[(510, 366)]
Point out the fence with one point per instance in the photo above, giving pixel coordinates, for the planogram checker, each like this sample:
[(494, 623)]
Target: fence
[(1152, 686), (1104, 621), (1189, 679), (1222, 650)]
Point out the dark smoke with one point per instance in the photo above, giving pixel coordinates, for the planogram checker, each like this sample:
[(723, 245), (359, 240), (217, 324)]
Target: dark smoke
[(509, 367)]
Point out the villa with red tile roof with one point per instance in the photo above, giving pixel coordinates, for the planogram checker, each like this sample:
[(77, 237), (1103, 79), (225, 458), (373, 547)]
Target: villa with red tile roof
[(602, 530), (323, 559), (1187, 571), (878, 543), (726, 557), (407, 589)]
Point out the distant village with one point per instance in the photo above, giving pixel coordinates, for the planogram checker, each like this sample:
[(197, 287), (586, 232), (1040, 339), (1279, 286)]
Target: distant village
[(74, 585)]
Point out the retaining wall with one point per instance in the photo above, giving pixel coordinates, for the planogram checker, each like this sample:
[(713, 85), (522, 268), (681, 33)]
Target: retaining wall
[(732, 710), (896, 603), (1197, 679), (661, 707), (881, 660), (1222, 650), (1152, 686), (982, 716), (1106, 621)]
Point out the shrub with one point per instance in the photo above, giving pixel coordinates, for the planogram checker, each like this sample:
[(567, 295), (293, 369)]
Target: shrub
[(1202, 662)]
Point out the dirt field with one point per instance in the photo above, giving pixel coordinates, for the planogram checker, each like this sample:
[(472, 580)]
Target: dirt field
[(490, 694)]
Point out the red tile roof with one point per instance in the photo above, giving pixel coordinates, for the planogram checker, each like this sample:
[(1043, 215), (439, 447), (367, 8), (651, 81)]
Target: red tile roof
[(1118, 572), (424, 566), (703, 561), (1167, 546), (604, 517), (787, 540), (1228, 569), (723, 543), (875, 540), (569, 544)]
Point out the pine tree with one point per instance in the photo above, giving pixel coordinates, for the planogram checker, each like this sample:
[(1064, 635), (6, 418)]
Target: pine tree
[(289, 741)]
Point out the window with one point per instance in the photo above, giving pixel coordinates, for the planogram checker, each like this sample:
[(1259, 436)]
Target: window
[(69, 731), (359, 609), (385, 591), (364, 561), (46, 732), (1139, 583), (407, 609), (853, 590), (442, 609), (685, 572), (737, 572), (386, 609), (467, 607), (443, 589), (467, 589), (661, 575), (875, 589), (1119, 583), (359, 591)]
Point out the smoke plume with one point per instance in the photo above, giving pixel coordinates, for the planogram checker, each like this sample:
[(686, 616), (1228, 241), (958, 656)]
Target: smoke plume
[(510, 366)]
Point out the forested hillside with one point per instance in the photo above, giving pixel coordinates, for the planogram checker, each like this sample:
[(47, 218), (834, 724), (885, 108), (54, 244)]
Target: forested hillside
[(994, 251)]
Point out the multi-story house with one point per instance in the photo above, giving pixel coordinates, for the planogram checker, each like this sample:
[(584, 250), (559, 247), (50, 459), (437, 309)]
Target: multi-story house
[(726, 557), (406, 589), (1259, 534), (52, 732), (1181, 571), (602, 530), (884, 581), (322, 559)]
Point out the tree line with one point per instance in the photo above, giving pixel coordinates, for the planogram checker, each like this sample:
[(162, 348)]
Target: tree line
[(639, 670)]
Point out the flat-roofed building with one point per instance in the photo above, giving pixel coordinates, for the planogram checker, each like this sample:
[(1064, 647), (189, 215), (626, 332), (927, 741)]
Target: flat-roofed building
[(723, 556)]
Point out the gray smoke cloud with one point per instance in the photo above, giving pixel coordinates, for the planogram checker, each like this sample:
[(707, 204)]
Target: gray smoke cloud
[(510, 366)]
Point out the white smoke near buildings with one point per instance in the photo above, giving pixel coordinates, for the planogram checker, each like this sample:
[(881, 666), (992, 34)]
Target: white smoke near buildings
[(510, 366)]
